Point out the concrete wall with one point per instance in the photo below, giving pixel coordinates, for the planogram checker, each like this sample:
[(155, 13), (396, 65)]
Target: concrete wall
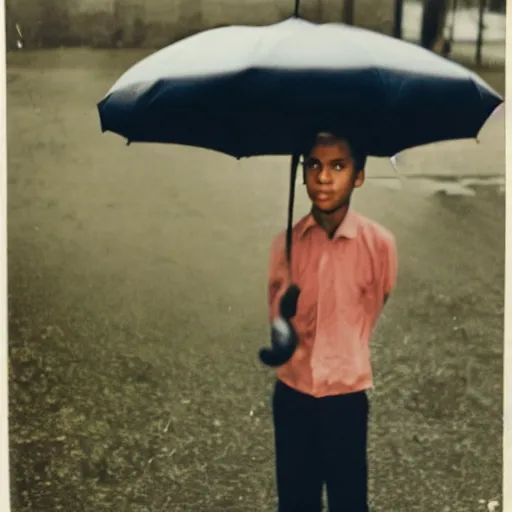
[(156, 23)]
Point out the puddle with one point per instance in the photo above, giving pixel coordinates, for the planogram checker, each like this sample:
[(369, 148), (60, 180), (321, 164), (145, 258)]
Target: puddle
[(449, 186), (498, 181), (453, 188), (390, 183)]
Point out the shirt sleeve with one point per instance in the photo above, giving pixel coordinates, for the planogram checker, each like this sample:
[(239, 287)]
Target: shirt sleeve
[(389, 264), (277, 276)]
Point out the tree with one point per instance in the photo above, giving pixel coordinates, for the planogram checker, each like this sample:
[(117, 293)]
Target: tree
[(348, 12), (480, 37), (54, 28), (433, 22), (10, 27), (497, 6), (129, 24), (398, 19), (189, 18)]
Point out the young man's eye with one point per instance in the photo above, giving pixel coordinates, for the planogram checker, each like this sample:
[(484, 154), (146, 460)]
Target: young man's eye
[(312, 166)]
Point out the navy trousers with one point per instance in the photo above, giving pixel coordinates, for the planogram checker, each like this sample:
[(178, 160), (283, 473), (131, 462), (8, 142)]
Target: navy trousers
[(320, 441)]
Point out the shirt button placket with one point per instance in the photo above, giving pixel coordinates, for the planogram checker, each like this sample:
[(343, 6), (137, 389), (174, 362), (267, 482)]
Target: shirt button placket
[(318, 334)]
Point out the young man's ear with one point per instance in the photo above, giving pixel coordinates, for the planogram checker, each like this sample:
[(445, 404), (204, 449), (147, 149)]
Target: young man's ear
[(360, 176)]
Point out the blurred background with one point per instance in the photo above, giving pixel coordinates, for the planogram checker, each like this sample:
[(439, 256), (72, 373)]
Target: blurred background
[(470, 28)]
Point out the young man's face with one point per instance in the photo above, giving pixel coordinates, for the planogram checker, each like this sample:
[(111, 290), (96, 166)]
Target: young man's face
[(331, 176)]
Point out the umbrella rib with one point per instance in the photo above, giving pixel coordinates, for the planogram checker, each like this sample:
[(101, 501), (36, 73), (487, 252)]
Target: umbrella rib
[(479, 92), (375, 67), (257, 62)]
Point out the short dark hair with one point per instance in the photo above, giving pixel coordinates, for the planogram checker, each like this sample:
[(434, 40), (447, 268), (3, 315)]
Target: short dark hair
[(356, 151)]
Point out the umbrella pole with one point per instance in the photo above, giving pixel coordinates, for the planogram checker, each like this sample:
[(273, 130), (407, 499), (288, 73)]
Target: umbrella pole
[(296, 11), (291, 200)]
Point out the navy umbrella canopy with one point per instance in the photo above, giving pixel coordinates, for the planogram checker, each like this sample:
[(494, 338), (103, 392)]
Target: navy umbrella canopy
[(248, 91)]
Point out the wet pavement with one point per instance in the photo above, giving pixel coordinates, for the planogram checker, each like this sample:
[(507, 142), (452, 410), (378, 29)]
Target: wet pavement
[(137, 288)]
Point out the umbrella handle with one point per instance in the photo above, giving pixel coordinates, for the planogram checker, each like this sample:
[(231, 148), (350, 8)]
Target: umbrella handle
[(284, 339), (291, 200)]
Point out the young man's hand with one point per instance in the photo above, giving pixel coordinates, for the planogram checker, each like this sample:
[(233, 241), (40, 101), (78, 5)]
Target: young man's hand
[(288, 306)]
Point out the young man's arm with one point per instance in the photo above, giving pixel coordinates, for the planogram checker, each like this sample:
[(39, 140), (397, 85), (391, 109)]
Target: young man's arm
[(277, 276), (389, 266)]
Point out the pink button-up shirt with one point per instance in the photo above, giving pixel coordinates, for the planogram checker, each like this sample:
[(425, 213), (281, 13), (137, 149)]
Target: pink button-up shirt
[(344, 282)]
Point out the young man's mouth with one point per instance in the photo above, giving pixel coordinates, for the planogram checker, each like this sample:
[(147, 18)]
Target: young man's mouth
[(322, 196)]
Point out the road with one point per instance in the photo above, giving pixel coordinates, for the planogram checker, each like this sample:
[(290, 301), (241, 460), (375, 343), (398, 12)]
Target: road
[(137, 288)]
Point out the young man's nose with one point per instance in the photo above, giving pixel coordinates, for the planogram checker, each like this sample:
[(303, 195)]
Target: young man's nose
[(325, 175)]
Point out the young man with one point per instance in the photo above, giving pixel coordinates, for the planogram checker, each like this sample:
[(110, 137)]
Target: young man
[(345, 266)]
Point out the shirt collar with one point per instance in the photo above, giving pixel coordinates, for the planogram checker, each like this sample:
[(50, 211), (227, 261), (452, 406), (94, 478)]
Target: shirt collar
[(347, 229)]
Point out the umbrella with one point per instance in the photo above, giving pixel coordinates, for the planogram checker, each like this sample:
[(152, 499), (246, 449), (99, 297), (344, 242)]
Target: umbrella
[(265, 90), (248, 91)]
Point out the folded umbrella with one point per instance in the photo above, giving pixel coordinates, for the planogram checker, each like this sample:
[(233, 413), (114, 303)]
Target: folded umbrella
[(248, 91)]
